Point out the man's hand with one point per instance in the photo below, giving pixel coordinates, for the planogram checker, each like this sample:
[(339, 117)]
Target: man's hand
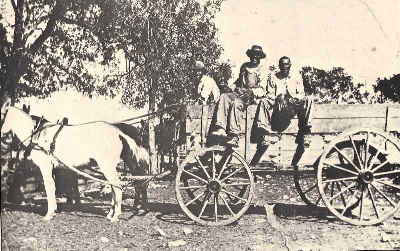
[(258, 92)]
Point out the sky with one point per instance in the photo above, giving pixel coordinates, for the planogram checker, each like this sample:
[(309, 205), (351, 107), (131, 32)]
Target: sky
[(362, 36)]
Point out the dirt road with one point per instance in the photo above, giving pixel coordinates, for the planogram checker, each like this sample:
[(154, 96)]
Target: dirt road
[(278, 220)]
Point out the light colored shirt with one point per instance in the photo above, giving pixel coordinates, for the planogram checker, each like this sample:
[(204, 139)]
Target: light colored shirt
[(207, 86), (292, 85), (253, 78)]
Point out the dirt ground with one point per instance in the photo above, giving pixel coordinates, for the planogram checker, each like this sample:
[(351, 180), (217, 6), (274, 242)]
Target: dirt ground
[(277, 220)]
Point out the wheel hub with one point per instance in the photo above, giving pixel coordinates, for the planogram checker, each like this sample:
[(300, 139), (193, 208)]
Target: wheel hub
[(214, 186), (366, 177)]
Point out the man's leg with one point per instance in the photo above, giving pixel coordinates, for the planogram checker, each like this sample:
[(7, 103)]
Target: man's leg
[(221, 113), (234, 118), (304, 110), (260, 130)]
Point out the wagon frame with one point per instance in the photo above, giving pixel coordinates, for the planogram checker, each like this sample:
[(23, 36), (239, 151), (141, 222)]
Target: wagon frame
[(333, 173)]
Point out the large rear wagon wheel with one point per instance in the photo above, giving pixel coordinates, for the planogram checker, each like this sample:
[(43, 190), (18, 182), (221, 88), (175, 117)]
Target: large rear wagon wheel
[(359, 176), (214, 186)]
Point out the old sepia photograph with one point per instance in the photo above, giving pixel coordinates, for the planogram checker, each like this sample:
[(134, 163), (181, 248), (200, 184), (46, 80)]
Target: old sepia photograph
[(200, 125)]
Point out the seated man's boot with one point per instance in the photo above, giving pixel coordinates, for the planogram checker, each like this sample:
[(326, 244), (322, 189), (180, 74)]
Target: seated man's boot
[(306, 135), (233, 141)]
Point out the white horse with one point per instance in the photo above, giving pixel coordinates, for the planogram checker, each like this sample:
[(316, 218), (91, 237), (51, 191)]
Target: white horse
[(74, 146)]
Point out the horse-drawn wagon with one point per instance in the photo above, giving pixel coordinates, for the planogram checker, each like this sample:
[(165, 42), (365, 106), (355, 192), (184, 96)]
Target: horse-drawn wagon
[(352, 165)]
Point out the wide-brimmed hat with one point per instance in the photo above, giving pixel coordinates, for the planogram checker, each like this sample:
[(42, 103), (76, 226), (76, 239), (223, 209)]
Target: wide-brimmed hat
[(255, 51), (198, 65)]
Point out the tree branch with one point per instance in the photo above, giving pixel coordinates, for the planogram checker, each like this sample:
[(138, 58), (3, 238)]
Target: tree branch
[(58, 11)]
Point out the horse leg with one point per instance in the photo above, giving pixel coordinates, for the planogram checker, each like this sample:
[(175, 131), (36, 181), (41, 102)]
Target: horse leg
[(112, 176), (110, 213), (46, 168)]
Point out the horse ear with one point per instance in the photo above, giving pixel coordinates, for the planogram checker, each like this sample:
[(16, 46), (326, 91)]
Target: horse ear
[(6, 104)]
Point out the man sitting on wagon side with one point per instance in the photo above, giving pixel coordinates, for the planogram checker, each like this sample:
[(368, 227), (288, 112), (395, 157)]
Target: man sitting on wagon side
[(250, 85), (285, 98)]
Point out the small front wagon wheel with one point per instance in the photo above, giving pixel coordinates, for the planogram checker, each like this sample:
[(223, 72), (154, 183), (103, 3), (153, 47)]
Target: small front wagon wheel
[(214, 186), (359, 176)]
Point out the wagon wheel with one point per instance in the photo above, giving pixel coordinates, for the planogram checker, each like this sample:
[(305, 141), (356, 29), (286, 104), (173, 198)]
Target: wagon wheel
[(214, 186), (305, 181), (364, 189)]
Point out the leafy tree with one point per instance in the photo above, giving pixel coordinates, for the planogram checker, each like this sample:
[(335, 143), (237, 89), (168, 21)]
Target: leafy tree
[(54, 41), (389, 88)]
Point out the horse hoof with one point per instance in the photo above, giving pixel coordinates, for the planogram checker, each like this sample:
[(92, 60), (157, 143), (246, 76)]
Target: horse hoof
[(114, 219), (47, 218)]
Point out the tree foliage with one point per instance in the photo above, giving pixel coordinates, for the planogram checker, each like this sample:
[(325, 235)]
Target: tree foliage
[(389, 87), (335, 86), (57, 43)]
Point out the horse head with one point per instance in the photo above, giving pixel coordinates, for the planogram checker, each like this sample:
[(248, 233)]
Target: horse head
[(17, 122)]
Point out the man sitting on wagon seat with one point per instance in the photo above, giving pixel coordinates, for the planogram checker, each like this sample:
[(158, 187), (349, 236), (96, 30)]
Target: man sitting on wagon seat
[(285, 98), (250, 85)]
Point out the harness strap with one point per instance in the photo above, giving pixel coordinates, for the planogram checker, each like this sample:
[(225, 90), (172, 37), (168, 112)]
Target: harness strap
[(53, 143)]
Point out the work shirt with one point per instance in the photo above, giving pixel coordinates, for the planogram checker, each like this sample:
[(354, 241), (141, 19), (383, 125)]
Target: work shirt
[(291, 86), (252, 78), (207, 86)]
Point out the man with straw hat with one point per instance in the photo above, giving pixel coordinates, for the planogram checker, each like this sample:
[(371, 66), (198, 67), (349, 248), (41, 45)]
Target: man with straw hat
[(250, 85)]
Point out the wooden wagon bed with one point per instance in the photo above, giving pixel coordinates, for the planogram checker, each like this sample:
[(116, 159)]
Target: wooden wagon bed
[(328, 121)]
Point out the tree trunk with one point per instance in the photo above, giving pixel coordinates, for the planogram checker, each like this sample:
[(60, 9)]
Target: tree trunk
[(152, 134)]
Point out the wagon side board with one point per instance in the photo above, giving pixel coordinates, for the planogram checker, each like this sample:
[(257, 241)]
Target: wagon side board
[(328, 121)]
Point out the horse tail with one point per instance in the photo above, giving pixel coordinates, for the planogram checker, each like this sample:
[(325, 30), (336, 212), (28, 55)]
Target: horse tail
[(138, 154)]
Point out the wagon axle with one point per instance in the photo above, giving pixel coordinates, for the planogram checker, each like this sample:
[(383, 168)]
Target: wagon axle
[(365, 177)]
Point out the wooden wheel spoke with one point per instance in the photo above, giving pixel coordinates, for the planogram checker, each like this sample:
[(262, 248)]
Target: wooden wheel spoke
[(231, 174), (341, 192), (237, 184), (341, 195), (195, 176), (341, 168), (355, 149), (373, 202), (332, 188), (340, 179), (229, 207), (204, 204), (361, 204), (366, 151), (194, 199), (202, 167), (318, 200), (380, 166), (213, 165), (192, 187), (310, 188), (373, 159), (346, 158), (388, 184), (384, 195), (233, 195), (216, 207), (352, 198), (224, 166), (385, 173)]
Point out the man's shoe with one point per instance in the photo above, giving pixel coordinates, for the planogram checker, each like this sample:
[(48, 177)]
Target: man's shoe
[(233, 141), (269, 139), (307, 140)]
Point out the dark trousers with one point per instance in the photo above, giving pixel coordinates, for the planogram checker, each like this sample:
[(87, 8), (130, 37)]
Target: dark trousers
[(269, 118)]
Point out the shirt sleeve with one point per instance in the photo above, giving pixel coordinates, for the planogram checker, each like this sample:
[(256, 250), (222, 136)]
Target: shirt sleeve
[(270, 88)]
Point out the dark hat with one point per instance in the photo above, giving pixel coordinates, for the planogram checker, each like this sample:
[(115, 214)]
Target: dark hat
[(255, 51)]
